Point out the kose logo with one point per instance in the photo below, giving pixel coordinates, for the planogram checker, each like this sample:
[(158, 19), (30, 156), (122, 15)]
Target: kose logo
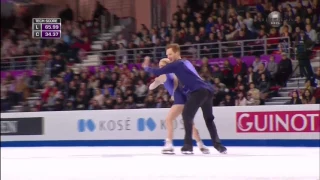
[(177, 124), (146, 123), (109, 125), (286, 121), (86, 124)]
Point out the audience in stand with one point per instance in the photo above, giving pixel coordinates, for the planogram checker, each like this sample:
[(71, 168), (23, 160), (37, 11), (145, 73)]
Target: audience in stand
[(241, 100), (76, 39), (254, 94), (220, 22), (317, 91), (307, 97), (295, 99), (284, 70)]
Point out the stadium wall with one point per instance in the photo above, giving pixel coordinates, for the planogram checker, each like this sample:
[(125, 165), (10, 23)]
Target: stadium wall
[(141, 10), (292, 125)]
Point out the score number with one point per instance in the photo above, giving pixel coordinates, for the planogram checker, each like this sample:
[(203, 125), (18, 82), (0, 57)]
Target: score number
[(47, 28), (51, 27), (51, 34)]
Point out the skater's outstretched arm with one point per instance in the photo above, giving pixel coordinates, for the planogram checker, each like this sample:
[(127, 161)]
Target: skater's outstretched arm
[(158, 81), (169, 68), (162, 78)]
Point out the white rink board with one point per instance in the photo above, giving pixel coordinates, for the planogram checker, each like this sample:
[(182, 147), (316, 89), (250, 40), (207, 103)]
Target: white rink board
[(63, 125)]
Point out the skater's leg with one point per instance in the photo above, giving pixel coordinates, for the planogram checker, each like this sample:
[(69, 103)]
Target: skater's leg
[(196, 136), (209, 120), (208, 117), (195, 100), (173, 114)]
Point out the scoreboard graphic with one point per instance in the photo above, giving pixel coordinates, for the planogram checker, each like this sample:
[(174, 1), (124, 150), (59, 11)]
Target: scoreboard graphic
[(46, 28)]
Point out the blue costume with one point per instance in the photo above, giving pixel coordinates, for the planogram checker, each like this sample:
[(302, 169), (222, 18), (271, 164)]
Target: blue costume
[(189, 79), (179, 97), (200, 95)]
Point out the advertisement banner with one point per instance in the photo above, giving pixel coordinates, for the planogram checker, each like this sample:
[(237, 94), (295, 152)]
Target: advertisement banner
[(278, 122), (236, 125), (21, 126)]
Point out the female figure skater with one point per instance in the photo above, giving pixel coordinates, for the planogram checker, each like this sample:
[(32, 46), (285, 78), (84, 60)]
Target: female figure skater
[(170, 82)]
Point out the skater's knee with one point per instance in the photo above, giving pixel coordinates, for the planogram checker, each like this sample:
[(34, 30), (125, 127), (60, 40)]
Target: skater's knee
[(169, 120), (171, 117), (209, 118), (186, 116)]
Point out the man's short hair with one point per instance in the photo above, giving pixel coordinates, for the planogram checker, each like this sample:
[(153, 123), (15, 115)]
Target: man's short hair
[(175, 47)]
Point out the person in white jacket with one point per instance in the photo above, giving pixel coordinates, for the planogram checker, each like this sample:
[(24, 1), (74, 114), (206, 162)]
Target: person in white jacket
[(311, 33)]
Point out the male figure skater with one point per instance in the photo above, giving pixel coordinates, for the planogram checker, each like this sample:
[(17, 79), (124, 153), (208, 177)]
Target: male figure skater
[(199, 94), (170, 82)]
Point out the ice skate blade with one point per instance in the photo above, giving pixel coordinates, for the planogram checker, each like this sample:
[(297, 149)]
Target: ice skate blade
[(205, 152), (169, 152), (187, 152), (224, 152)]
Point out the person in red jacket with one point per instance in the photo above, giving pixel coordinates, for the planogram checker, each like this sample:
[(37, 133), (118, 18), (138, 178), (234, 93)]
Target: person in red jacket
[(86, 44), (45, 93), (240, 68), (274, 42)]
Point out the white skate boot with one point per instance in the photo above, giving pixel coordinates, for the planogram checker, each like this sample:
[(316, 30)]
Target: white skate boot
[(204, 149), (168, 147)]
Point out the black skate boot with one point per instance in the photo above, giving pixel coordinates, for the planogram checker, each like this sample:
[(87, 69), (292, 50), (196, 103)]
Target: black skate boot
[(220, 148), (187, 149)]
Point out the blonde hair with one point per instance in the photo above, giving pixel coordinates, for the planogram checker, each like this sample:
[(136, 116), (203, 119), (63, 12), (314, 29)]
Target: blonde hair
[(165, 61)]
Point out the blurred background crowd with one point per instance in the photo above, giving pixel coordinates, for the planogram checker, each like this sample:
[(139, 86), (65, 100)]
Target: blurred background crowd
[(231, 44)]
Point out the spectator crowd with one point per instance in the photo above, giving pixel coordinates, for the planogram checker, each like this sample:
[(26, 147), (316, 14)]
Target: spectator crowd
[(219, 21), (122, 87), (125, 88), (76, 37)]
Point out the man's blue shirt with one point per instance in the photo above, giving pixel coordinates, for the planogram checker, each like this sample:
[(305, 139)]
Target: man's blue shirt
[(189, 79)]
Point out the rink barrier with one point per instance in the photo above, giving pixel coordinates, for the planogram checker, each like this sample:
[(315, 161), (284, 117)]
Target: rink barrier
[(294, 126), (160, 142)]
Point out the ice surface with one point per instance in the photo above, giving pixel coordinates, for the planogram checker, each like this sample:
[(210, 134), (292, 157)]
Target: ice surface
[(147, 163)]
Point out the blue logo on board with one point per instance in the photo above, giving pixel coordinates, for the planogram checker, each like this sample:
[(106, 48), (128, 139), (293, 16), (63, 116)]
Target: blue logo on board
[(86, 125), (144, 124)]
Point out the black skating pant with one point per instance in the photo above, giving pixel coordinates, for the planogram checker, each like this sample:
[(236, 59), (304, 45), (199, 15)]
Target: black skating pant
[(203, 99)]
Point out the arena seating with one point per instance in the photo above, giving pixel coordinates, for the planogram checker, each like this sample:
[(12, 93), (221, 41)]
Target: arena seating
[(113, 79)]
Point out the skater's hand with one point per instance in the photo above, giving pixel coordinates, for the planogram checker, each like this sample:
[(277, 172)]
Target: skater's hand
[(146, 62)]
